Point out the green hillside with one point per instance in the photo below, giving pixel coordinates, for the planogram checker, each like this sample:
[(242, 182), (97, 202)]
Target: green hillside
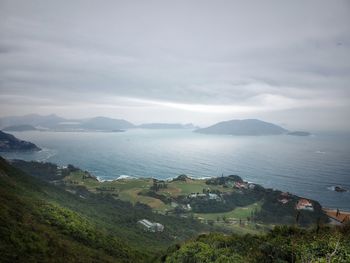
[(40, 222)]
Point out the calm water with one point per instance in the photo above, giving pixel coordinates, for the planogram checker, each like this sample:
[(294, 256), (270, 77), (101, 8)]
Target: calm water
[(307, 166)]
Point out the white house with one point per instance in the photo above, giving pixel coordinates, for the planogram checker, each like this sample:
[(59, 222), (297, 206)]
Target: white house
[(150, 226), (304, 204)]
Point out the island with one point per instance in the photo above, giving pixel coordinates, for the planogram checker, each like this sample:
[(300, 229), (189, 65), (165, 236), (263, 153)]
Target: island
[(299, 133), (53, 122), (9, 143), (248, 127)]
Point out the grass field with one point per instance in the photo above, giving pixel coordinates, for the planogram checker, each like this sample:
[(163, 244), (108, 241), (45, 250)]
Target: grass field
[(238, 213), (176, 188), (126, 189)]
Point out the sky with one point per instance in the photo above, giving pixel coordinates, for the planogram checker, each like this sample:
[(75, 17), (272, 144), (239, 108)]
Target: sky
[(196, 61)]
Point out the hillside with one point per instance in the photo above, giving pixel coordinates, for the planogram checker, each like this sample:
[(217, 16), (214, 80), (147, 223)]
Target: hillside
[(42, 222), (248, 127), (69, 216), (8, 142), (36, 227)]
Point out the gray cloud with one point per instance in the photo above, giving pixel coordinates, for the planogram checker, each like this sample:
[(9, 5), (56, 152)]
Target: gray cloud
[(198, 61)]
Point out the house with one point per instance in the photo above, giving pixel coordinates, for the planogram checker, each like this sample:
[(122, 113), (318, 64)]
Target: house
[(251, 186), (195, 195), (240, 185), (214, 196), (283, 200), (158, 227), (150, 226), (304, 204), (192, 195)]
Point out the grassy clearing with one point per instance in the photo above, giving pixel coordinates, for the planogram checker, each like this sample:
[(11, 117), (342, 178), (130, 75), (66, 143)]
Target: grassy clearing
[(237, 213), (189, 186), (125, 189), (129, 189)]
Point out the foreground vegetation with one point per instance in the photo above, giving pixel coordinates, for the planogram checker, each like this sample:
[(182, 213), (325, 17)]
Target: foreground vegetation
[(282, 244)]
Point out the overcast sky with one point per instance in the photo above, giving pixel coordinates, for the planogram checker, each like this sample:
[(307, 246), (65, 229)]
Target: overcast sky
[(178, 61)]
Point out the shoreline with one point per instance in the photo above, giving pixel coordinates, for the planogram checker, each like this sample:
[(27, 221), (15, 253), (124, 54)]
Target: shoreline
[(339, 216)]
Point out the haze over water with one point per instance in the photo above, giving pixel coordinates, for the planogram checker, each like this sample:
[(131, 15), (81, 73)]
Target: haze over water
[(307, 166)]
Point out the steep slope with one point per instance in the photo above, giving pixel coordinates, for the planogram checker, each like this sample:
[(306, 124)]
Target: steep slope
[(35, 227), (43, 222), (243, 127)]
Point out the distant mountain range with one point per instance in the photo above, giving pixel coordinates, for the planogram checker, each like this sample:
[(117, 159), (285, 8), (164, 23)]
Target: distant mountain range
[(9, 142), (243, 127), (56, 123)]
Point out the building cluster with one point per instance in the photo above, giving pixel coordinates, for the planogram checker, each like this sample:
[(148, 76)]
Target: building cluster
[(209, 196), (151, 226), (185, 207)]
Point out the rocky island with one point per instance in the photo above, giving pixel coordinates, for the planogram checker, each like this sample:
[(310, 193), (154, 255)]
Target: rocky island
[(248, 127)]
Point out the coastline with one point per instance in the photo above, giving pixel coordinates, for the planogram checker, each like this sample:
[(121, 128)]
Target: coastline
[(337, 216)]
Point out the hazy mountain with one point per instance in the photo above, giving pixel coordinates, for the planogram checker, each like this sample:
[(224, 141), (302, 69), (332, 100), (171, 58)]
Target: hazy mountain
[(243, 127), (24, 127), (103, 123), (31, 119), (166, 126), (54, 122), (8, 142)]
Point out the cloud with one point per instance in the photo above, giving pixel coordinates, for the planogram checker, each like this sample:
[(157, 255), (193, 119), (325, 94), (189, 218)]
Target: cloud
[(228, 58)]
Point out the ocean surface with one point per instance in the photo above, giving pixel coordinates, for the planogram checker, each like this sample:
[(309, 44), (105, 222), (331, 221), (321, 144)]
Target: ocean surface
[(306, 166)]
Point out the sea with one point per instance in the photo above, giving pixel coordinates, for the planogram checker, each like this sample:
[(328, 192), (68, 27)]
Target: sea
[(308, 166)]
